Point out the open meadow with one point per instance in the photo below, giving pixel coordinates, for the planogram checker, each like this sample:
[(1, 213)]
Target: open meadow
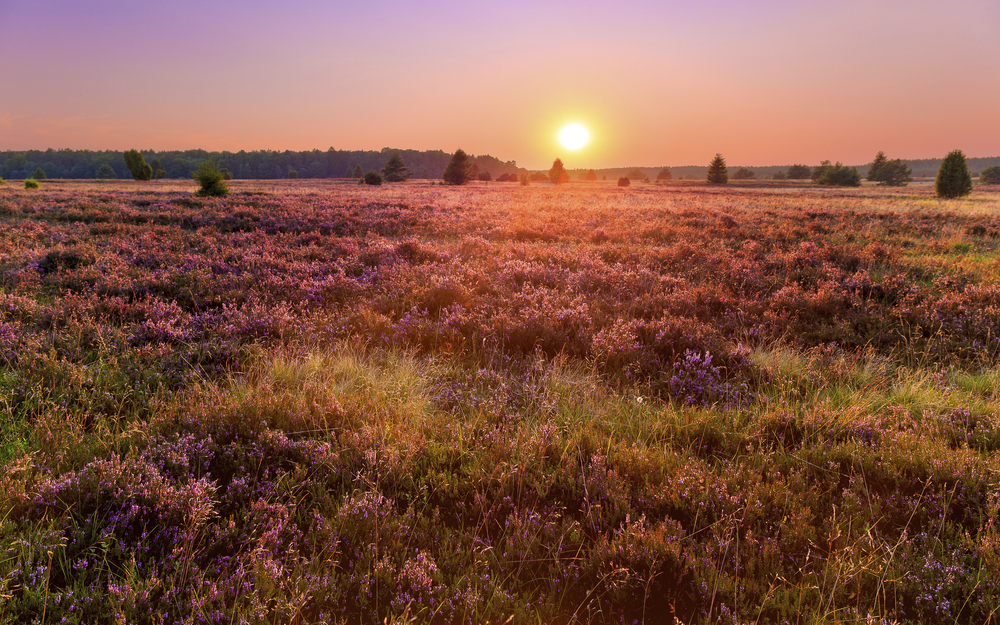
[(317, 402)]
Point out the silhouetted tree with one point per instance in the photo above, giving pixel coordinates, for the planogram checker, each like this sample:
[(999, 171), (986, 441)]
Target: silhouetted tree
[(539, 176), (39, 174), (779, 175), (137, 165), (798, 172), (744, 174), (485, 176), (459, 170), (591, 175), (718, 173), (624, 181), (358, 171), (395, 169), (953, 178), (292, 173), (558, 175), (665, 174)]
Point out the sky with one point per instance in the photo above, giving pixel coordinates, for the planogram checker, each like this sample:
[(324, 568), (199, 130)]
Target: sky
[(668, 82)]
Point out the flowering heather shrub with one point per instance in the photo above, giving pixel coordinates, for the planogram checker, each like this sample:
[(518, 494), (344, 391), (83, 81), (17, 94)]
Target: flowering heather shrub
[(458, 405)]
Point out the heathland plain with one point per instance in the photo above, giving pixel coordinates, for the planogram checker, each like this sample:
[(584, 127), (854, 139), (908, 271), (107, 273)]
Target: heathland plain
[(314, 402)]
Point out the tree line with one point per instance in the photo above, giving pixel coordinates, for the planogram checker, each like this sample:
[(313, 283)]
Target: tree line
[(953, 177), (257, 164)]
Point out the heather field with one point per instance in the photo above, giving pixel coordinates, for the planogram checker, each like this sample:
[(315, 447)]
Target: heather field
[(314, 402)]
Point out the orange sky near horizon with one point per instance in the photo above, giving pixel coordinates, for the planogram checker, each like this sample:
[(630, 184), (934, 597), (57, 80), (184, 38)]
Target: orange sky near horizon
[(656, 83)]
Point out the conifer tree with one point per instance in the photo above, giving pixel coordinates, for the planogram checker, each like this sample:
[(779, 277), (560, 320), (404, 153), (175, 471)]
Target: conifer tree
[(39, 174), (395, 170), (877, 164), (665, 174), (888, 173), (953, 178), (718, 173), (459, 170), (558, 175), (358, 171)]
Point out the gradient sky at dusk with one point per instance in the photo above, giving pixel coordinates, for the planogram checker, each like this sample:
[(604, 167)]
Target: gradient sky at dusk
[(672, 82)]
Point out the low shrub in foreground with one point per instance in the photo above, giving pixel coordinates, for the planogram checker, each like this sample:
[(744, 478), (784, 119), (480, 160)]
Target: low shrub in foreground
[(372, 178), (31, 184), (211, 180)]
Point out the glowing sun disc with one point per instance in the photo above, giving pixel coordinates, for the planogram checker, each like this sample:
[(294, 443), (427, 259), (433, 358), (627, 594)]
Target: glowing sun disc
[(574, 137)]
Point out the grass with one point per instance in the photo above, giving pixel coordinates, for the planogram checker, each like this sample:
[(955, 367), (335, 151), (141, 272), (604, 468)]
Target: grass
[(321, 403)]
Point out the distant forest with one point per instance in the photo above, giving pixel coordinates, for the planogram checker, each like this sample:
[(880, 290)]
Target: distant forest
[(267, 164), (922, 168), (260, 164)]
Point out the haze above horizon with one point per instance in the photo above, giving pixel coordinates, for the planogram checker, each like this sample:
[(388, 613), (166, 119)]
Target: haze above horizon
[(653, 82)]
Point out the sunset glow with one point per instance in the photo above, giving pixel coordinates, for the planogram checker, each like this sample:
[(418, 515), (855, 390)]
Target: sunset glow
[(774, 82), (574, 137)]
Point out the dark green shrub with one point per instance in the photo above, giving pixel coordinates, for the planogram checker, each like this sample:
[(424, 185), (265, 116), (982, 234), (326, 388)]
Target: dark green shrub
[(373, 178), (953, 178), (30, 184), (839, 175), (624, 181), (990, 175), (744, 174), (226, 175), (485, 176), (798, 172), (137, 165), (39, 174), (819, 170), (889, 173), (779, 175), (211, 180), (718, 173)]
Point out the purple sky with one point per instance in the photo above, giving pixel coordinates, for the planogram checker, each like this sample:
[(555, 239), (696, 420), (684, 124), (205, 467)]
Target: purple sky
[(657, 83)]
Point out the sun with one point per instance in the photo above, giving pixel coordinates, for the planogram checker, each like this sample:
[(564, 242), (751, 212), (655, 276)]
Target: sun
[(574, 137)]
